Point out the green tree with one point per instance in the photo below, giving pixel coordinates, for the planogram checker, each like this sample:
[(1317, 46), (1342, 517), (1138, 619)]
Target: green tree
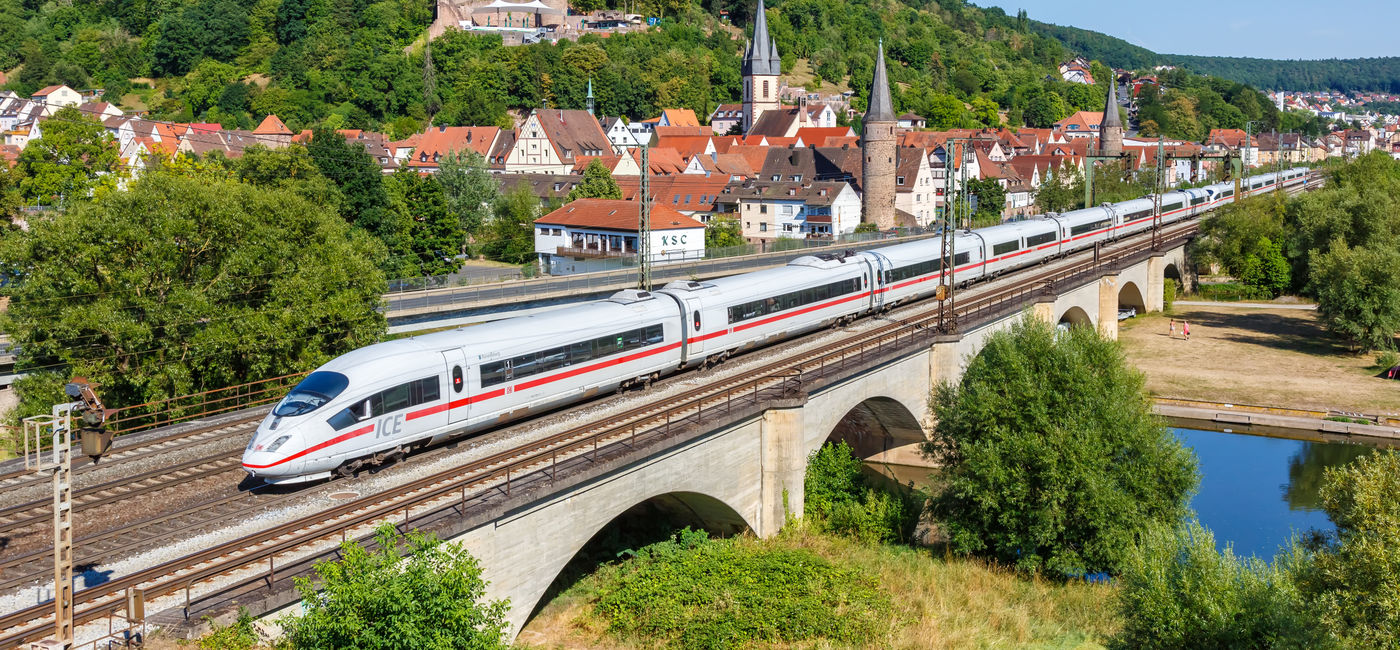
[(413, 591), (1045, 109), (723, 232), (470, 187), (366, 204), (991, 200), (1052, 458), (1353, 582), (510, 235), (1266, 270), (1358, 294), (597, 183), (182, 284), (290, 168), (434, 233), (1061, 191), (1177, 591), (73, 157)]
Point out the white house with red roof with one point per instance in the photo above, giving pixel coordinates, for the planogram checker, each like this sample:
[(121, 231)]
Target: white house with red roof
[(439, 142), (56, 97), (597, 234)]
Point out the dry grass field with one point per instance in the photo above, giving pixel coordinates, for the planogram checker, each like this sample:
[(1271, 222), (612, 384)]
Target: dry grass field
[(1271, 356)]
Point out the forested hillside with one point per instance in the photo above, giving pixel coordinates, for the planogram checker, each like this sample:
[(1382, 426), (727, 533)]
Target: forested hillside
[(363, 64), (1375, 74)]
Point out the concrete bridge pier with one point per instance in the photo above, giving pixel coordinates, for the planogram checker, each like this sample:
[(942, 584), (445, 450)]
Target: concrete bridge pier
[(782, 433), (1108, 306)]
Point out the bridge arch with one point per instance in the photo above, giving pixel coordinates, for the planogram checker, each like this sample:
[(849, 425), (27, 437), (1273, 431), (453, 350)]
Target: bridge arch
[(877, 425), (628, 525), (1130, 295), (1076, 317)]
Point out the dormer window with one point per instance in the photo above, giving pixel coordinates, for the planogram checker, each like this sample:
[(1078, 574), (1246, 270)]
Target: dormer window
[(899, 180), (797, 178), (776, 178)]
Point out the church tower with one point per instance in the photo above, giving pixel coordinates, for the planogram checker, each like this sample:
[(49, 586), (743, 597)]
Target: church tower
[(878, 146), (761, 70), (1110, 126)]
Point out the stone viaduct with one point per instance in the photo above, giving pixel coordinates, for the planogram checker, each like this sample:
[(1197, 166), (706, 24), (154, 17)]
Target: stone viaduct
[(747, 474)]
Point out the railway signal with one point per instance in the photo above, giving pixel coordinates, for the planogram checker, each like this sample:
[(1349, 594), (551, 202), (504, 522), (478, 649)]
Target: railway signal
[(58, 462)]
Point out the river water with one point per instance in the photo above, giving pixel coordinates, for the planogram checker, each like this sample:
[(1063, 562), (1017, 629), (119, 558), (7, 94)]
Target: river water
[(1256, 491)]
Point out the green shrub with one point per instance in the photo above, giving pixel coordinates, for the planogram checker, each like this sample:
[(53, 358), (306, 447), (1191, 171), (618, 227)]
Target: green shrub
[(838, 499), (414, 591), (1169, 290), (1179, 592), (239, 636), (694, 592), (1387, 360)]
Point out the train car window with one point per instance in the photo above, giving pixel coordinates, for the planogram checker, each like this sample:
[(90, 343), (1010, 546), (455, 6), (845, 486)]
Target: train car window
[(348, 416), (961, 258), (1088, 227), (1035, 240), (1005, 247), (1140, 214), (457, 382), (394, 399), (756, 308), (697, 320), (1198, 200), (1171, 206), (534, 363)]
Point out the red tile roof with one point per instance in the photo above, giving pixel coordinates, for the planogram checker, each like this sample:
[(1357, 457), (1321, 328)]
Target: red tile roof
[(614, 214), (439, 141), (272, 125)]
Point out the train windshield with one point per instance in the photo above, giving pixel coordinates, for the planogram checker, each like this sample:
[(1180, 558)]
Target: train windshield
[(312, 393)]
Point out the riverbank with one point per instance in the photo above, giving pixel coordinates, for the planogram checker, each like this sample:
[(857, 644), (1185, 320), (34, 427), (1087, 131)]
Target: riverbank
[(1255, 354), (939, 602)]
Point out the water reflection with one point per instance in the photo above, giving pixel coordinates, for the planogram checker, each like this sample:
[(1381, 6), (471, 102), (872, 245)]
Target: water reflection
[(1306, 467), (1258, 491)]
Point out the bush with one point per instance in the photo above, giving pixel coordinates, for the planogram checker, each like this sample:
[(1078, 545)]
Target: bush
[(694, 592), (430, 597), (1169, 290), (239, 636), (1178, 592), (1387, 360), (838, 499), (1053, 460), (1353, 581)]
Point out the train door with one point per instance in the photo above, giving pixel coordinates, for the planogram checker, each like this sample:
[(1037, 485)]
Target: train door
[(695, 322), (457, 387)]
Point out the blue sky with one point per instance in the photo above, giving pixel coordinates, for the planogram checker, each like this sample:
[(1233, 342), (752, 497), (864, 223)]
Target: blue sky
[(1272, 29)]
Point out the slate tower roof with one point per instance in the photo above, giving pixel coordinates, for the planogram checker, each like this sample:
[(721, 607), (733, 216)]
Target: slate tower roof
[(881, 109), (761, 58)]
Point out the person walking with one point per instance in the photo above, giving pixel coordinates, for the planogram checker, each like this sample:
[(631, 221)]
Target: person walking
[(1186, 330), (1171, 328)]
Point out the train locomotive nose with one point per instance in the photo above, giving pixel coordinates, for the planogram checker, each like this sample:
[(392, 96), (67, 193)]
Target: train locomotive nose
[(272, 453)]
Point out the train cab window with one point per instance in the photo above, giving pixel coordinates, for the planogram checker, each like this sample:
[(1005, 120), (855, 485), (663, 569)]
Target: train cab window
[(457, 383), (1005, 247), (312, 393), (349, 415), (697, 320)]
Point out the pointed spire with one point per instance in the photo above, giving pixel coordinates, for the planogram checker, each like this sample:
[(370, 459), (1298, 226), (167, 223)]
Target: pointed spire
[(761, 57), (590, 95), (1110, 109), (881, 108)]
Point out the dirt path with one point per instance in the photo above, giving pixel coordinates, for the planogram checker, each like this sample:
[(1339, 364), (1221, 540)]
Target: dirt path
[(1272, 356)]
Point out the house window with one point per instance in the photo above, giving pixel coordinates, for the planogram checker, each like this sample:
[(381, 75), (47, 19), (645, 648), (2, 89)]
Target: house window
[(675, 199), (765, 89), (797, 178), (763, 209), (776, 178), (899, 180), (763, 225), (687, 199)]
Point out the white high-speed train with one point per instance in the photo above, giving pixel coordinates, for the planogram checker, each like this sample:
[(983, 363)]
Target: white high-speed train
[(384, 400)]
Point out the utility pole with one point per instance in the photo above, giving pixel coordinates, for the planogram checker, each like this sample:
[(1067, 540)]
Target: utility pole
[(952, 207), (644, 224), (1158, 186)]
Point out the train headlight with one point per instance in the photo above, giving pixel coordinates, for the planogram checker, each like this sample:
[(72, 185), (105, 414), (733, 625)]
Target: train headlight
[(277, 443)]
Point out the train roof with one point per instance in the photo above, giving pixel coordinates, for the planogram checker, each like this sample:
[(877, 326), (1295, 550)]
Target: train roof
[(516, 331)]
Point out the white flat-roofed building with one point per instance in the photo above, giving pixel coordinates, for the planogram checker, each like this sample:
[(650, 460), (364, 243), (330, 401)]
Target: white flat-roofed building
[(598, 234)]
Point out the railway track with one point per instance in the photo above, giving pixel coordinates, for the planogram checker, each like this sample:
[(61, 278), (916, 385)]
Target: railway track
[(252, 558), (138, 452)]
